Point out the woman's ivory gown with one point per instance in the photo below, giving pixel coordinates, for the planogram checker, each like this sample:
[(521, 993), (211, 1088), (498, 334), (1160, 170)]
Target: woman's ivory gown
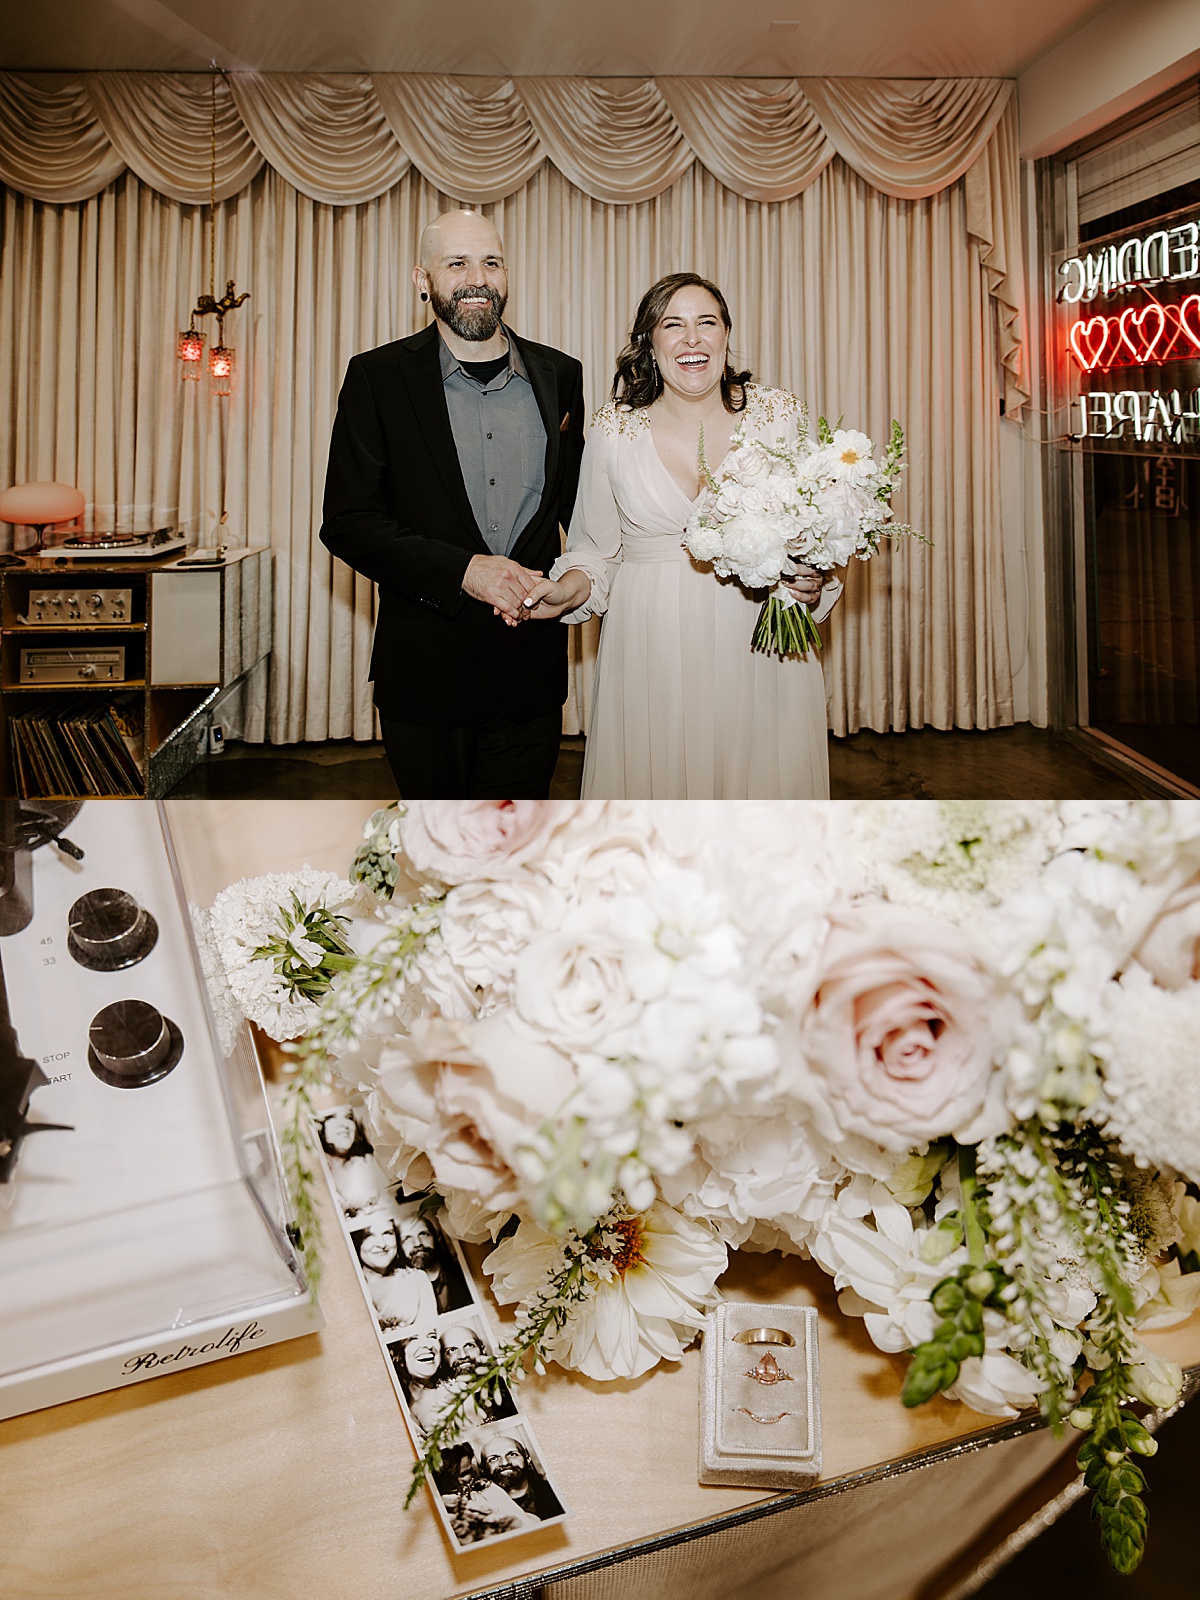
[(682, 708)]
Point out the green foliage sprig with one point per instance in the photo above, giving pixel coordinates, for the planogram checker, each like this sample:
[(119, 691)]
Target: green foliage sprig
[(1105, 1458), (303, 930), (1042, 1189), (545, 1313), (298, 1115), (959, 1301), (375, 861)]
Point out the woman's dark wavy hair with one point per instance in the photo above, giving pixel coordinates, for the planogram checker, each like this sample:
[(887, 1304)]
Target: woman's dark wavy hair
[(360, 1147), (638, 382)]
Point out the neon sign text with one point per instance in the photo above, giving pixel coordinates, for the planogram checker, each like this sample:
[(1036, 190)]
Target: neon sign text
[(1170, 255), (1152, 415), (1138, 337)]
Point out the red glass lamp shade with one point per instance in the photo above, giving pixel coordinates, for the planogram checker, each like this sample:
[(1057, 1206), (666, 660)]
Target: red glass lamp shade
[(220, 367), (191, 353), (40, 506)]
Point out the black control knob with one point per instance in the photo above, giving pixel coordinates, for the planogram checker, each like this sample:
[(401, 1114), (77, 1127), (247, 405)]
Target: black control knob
[(109, 930), (130, 1044)]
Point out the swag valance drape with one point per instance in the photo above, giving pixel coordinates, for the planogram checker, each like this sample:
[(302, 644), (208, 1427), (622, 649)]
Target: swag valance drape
[(346, 138), (343, 138)]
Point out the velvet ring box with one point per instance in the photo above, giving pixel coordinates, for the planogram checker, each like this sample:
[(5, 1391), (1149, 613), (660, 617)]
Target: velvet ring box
[(760, 1401)]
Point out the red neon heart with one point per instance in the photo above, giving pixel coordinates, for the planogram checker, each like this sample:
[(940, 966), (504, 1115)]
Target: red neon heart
[(1188, 313), (1175, 330), (1154, 313), (1125, 342), (1087, 341)]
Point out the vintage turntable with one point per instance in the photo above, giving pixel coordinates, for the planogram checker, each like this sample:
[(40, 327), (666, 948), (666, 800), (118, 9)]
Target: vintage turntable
[(116, 546)]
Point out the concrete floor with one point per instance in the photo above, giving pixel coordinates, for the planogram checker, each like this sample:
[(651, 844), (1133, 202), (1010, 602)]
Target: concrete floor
[(924, 764)]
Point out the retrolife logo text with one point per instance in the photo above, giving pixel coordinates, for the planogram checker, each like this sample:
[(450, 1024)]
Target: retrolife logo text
[(230, 1342)]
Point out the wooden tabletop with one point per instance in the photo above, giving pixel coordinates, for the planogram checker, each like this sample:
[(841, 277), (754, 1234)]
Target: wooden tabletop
[(282, 1472)]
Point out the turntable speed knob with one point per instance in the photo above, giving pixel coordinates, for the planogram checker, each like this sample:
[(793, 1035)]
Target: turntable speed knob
[(109, 930)]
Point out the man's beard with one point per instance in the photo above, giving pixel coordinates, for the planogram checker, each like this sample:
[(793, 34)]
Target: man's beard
[(421, 1255), (508, 1477), (476, 323)]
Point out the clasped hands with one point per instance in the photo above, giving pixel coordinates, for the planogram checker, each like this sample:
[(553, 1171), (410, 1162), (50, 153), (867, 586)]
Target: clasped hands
[(806, 584), (518, 593)]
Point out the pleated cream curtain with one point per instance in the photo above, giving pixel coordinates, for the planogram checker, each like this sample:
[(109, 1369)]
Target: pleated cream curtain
[(868, 305)]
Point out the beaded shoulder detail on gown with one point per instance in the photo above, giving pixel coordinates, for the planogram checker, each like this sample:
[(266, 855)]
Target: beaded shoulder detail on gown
[(614, 418), (768, 407)]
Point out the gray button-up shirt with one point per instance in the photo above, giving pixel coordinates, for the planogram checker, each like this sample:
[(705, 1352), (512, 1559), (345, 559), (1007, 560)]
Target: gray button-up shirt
[(501, 442)]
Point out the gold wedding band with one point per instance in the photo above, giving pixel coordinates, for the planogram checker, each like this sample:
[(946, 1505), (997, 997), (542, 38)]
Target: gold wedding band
[(763, 1336), (754, 1416)]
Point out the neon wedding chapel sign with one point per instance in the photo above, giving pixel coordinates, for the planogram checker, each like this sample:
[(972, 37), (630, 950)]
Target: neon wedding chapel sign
[(1160, 326)]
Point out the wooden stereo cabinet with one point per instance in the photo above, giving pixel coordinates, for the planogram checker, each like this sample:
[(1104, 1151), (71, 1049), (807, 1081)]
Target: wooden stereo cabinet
[(188, 633)]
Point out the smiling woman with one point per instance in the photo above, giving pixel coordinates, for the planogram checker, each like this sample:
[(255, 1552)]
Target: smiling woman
[(683, 708)]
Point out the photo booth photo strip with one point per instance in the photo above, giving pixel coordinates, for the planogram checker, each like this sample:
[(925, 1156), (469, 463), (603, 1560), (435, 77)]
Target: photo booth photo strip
[(432, 1326)]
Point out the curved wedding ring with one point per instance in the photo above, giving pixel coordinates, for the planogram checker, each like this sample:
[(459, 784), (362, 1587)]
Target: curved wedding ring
[(763, 1336), (754, 1416)]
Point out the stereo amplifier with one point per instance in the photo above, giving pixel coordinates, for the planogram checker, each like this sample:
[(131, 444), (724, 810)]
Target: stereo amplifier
[(74, 666), (68, 608)]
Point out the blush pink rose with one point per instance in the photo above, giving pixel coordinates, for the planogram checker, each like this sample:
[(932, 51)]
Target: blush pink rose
[(902, 1031), (454, 841)]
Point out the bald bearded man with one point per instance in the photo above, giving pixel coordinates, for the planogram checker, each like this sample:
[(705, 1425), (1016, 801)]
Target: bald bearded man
[(453, 464)]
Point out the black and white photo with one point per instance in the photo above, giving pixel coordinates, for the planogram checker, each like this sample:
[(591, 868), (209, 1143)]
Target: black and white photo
[(358, 1179), (400, 1293), (427, 1249), (426, 1362)]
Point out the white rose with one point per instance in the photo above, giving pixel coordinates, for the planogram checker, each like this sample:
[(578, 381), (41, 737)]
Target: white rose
[(452, 841), (485, 926), (468, 1095), (576, 985)]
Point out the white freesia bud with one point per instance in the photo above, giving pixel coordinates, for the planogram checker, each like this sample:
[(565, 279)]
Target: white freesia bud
[(1156, 1381)]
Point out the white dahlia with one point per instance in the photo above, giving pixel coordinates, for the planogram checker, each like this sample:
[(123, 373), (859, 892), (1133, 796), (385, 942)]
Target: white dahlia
[(649, 1276)]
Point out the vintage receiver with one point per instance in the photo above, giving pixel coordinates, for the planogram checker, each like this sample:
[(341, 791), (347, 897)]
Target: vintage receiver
[(82, 606), (105, 665)]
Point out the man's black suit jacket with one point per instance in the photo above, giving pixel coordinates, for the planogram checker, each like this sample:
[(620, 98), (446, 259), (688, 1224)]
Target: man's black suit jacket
[(396, 510)]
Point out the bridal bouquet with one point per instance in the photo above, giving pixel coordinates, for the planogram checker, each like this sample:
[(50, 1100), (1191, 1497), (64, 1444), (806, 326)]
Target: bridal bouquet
[(818, 501), (949, 1052)]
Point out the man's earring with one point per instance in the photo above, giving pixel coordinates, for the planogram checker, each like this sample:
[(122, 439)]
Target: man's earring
[(424, 296)]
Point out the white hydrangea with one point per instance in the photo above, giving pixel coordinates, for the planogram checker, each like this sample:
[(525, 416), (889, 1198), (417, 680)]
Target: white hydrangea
[(1151, 1101), (246, 916), (947, 856)]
